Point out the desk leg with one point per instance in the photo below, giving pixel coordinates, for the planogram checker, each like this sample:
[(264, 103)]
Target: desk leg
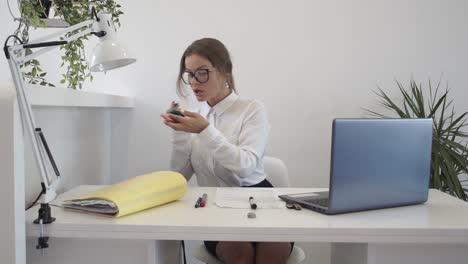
[(164, 251), (417, 253), (101, 251), (348, 253), (376, 253)]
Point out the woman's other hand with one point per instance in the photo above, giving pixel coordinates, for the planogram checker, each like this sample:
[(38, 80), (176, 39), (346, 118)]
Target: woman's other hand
[(191, 122)]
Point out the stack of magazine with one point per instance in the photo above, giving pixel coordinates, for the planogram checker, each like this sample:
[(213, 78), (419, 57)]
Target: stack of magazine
[(132, 195), (92, 205)]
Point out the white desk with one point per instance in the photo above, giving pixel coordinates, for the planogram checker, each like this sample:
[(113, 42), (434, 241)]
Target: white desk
[(440, 225)]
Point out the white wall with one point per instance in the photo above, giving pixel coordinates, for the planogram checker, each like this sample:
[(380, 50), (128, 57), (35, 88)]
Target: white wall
[(308, 61)]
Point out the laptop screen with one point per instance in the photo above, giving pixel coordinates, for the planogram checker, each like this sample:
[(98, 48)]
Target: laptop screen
[(379, 163)]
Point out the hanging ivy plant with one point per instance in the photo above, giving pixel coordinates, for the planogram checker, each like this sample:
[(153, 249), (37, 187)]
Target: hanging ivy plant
[(74, 58), (31, 14)]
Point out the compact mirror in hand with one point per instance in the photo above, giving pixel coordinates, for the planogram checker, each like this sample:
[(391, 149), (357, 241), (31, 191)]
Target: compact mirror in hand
[(176, 111)]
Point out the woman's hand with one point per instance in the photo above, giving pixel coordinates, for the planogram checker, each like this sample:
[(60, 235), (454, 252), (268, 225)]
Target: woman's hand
[(166, 116), (191, 122)]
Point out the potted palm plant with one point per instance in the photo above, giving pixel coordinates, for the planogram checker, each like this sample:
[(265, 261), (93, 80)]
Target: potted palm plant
[(449, 144)]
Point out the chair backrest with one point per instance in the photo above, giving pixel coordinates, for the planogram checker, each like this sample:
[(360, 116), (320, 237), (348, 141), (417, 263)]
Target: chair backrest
[(276, 172)]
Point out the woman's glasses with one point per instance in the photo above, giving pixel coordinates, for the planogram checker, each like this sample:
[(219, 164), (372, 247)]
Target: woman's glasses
[(201, 76)]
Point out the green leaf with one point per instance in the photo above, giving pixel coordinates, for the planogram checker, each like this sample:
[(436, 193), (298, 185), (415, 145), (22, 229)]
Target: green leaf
[(418, 96), (391, 105), (408, 100), (456, 121), (35, 21), (436, 107)]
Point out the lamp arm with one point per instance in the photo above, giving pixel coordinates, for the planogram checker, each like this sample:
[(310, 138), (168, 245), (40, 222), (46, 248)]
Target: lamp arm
[(17, 51), (49, 184), (16, 57), (86, 23)]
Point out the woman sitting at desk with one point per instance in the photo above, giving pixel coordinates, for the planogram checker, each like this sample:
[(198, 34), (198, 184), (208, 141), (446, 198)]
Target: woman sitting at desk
[(223, 142)]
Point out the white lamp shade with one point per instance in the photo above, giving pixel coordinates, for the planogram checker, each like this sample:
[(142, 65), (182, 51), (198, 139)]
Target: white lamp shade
[(109, 54)]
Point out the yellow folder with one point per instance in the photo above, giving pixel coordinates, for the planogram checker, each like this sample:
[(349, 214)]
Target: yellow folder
[(132, 195)]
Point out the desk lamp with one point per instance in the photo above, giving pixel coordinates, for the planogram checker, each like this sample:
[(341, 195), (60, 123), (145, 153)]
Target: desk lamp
[(107, 55)]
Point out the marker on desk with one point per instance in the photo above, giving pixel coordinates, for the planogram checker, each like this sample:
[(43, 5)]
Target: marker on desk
[(203, 201), (252, 202), (197, 204)]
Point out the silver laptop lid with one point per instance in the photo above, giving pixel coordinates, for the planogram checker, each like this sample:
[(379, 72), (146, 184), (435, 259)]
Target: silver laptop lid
[(378, 163)]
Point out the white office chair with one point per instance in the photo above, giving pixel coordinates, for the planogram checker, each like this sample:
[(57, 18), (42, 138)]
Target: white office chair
[(277, 173)]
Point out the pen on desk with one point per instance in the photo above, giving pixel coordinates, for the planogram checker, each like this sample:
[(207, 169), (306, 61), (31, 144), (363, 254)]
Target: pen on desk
[(203, 201), (252, 202), (197, 204)]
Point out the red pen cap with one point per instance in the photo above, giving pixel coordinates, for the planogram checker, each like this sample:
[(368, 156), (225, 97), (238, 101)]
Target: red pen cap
[(203, 201)]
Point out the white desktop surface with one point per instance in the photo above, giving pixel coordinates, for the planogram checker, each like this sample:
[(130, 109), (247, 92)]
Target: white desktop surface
[(442, 219)]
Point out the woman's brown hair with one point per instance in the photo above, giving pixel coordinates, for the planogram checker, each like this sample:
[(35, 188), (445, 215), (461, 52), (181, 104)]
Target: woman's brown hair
[(214, 51)]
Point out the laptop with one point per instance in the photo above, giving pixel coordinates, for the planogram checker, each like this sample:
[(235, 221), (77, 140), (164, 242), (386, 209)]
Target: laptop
[(375, 163)]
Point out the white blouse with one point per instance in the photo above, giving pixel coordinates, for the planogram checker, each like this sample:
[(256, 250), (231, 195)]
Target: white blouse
[(229, 152)]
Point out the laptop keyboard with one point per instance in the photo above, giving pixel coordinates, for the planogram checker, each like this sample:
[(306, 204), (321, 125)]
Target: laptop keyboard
[(322, 202)]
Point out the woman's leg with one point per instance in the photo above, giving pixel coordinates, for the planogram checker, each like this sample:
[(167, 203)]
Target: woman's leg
[(246, 252), (272, 252), (236, 252)]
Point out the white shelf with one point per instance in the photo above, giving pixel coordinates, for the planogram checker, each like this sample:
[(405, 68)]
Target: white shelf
[(53, 96), (55, 23)]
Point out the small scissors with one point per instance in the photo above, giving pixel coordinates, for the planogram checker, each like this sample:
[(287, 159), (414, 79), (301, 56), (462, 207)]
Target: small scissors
[(293, 206)]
